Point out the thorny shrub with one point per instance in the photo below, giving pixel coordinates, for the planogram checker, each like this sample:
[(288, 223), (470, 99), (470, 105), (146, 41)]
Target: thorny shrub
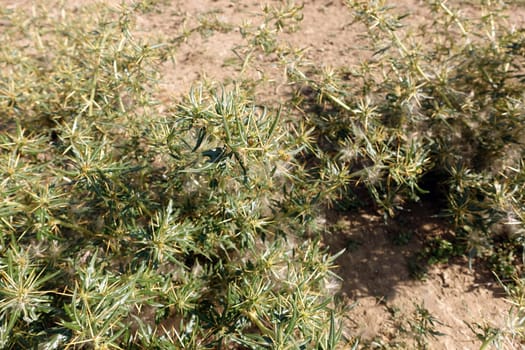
[(434, 112), (122, 226)]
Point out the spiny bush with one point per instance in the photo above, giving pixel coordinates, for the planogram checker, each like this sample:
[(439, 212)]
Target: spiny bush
[(433, 111), (122, 226)]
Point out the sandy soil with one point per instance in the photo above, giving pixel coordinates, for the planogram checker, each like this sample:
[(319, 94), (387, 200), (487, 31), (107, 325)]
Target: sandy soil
[(378, 280), (374, 269)]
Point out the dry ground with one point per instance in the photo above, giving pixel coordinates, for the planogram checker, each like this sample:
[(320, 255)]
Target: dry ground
[(374, 270)]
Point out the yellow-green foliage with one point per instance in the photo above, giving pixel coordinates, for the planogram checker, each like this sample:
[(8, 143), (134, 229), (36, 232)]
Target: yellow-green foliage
[(125, 225), (121, 226), (436, 110)]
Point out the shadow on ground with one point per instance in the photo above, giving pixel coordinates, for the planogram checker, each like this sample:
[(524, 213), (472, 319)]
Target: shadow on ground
[(379, 256)]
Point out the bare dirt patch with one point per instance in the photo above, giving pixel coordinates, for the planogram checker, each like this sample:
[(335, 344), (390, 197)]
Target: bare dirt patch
[(379, 279)]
